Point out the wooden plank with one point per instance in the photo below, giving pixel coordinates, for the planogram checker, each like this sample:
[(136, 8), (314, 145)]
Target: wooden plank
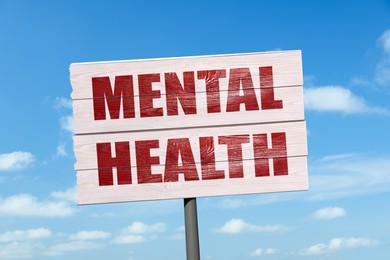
[(86, 154), (292, 98), (189, 127), (287, 68), (89, 191)]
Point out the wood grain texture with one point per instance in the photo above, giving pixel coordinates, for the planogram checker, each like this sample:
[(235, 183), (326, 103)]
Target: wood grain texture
[(292, 98), (85, 145), (189, 127), (89, 192), (287, 68)]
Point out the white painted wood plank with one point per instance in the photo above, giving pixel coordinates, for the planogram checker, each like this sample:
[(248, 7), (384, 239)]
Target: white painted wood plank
[(89, 192), (85, 145), (287, 68), (292, 98)]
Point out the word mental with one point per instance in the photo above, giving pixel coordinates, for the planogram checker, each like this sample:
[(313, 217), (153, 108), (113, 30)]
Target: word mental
[(183, 89)]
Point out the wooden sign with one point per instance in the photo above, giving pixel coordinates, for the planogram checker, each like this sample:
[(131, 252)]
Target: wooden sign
[(189, 127)]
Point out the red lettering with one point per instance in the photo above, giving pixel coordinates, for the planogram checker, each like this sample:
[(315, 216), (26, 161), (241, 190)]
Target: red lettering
[(262, 154), (212, 88), (102, 93), (267, 89), (207, 159), (145, 161), (234, 148), (147, 94), (241, 78), (182, 147), (175, 91), (106, 162)]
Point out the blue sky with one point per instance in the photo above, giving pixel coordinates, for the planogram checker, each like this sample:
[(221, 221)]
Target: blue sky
[(346, 64)]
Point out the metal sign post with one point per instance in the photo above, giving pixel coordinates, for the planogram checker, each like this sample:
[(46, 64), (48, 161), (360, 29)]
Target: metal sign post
[(191, 227)]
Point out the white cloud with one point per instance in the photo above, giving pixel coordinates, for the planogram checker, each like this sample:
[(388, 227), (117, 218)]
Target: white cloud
[(330, 213), (338, 244), (103, 215), (61, 248), (61, 102), (15, 161), (135, 232), (334, 157), (18, 235), (382, 76), (346, 176), (232, 203), (181, 228), (340, 99), (337, 99), (308, 80), (180, 236), (28, 205), (138, 227), (350, 242), (67, 195), (251, 200), (270, 251), (330, 177), (61, 150), (384, 41), (358, 81), (317, 249), (235, 226), (67, 124), (89, 235), (17, 250), (129, 239), (260, 251)]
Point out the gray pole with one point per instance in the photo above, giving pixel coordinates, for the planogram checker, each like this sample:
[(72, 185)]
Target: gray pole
[(191, 223)]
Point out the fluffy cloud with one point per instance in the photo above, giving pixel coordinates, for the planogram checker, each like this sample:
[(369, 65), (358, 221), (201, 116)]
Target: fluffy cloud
[(341, 99), (129, 239), (17, 250), (61, 102), (15, 161), (260, 252), (382, 76), (67, 195), (331, 177), (330, 213), (337, 99), (20, 244), (142, 228), (28, 205), (235, 226), (384, 41), (61, 150), (90, 235), (66, 123), (382, 72), (19, 235), (135, 233), (338, 244), (341, 176), (61, 248), (180, 235)]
